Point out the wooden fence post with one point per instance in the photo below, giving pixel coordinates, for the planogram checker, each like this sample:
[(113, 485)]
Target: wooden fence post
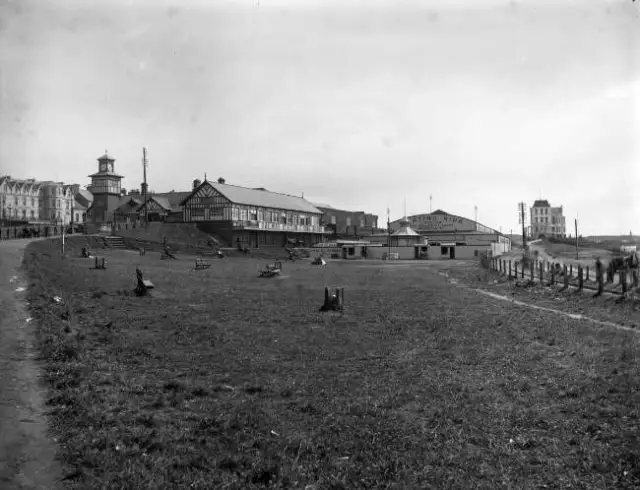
[(515, 264), (500, 265), (566, 277), (570, 269), (634, 275), (553, 275), (623, 282), (532, 269), (587, 278), (509, 269), (541, 272), (580, 278)]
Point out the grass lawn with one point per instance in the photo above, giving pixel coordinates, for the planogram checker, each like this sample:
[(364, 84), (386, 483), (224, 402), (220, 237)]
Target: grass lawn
[(224, 380)]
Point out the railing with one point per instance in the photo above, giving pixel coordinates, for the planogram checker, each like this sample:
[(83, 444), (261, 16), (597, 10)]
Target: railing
[(261, 225)]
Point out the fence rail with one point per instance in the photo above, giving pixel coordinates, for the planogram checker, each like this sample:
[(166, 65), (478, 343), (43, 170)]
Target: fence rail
[(553, 273)]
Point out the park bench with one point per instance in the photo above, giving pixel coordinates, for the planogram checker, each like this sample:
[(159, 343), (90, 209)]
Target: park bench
[(202, 264), (271, 269), (100, 263), (143, 284)]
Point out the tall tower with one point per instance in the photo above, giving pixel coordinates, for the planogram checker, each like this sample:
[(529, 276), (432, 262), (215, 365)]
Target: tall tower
[(105, 187)]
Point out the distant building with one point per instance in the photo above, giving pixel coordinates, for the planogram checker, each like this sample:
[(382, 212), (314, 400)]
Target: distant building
[(20, 199), (448, 231), (342, 222), (546, 220), (35, 202)]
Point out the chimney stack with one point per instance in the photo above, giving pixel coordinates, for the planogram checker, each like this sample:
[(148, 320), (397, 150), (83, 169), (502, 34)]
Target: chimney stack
[(221, 180), (196, 183)]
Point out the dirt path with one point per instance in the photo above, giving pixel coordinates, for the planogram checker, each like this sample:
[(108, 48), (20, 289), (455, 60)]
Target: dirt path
[(26, 452)]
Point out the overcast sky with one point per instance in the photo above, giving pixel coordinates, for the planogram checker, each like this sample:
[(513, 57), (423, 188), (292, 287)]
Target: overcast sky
[(358, 104)]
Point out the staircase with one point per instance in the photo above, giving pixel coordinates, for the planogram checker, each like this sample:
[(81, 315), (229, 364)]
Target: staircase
[(115, 242)]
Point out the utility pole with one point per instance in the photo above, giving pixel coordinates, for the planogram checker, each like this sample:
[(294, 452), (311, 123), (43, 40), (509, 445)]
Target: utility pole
[(389, 235), (577, 251), (145, 162), (522, 206), (430, 203), (475, 209)]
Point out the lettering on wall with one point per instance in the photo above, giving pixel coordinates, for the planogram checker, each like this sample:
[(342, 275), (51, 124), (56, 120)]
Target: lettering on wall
[(441, 222)]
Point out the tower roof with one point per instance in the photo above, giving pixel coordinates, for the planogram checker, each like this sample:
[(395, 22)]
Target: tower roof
[(106, 156)]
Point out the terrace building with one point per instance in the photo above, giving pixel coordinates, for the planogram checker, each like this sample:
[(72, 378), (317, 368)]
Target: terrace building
[(251, 217), (20, 199), (35, 202)]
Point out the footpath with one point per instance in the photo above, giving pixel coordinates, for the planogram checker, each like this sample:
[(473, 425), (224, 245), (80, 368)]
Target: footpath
[(26, 452)]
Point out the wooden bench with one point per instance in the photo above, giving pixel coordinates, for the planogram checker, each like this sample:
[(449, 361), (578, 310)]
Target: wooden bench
[(271, 269), (202, 264)]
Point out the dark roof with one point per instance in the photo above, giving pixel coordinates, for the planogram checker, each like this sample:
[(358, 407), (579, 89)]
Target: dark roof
[(266, 199), (128, 204), (439, 211), (171, 201), (106, 157), (541, 203)]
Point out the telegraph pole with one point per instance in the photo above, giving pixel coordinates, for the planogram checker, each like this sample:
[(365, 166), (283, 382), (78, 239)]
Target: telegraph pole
[(522, 220), (577, 251), (475, 209), (430, 203), (389, 235), (145, 162)]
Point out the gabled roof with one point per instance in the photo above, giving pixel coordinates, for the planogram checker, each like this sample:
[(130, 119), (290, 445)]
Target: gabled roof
[(128, 204), (266, 199), (85, 194), (170, 201)]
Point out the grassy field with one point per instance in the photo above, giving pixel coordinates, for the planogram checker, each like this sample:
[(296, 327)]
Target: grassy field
[(224, 380)]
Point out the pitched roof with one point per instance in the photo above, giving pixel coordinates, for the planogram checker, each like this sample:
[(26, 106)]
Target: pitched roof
[(266, 199), (128, 204), (171, 201), (320, 205), (541, 203), (85, 194), (405, 230)]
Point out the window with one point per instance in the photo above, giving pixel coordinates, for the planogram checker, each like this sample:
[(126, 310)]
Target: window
[(361, 222), (253, 214), (283, 218), (33, 214), (32, 201), (348, 221), (352, 251), (333, 220), (77, 217), (15, 200), (444, 250)]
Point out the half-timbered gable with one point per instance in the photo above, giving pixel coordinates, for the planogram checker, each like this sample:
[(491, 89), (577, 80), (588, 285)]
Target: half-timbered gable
[(251, 216), (164, 206)]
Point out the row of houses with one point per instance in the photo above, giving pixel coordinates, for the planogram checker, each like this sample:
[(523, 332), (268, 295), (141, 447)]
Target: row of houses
[(39, 202)]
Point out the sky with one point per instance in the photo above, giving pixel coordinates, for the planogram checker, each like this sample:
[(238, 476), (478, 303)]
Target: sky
[(358, 104)]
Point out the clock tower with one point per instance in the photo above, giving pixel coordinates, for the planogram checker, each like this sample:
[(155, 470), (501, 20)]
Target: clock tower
[(105, 187)]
